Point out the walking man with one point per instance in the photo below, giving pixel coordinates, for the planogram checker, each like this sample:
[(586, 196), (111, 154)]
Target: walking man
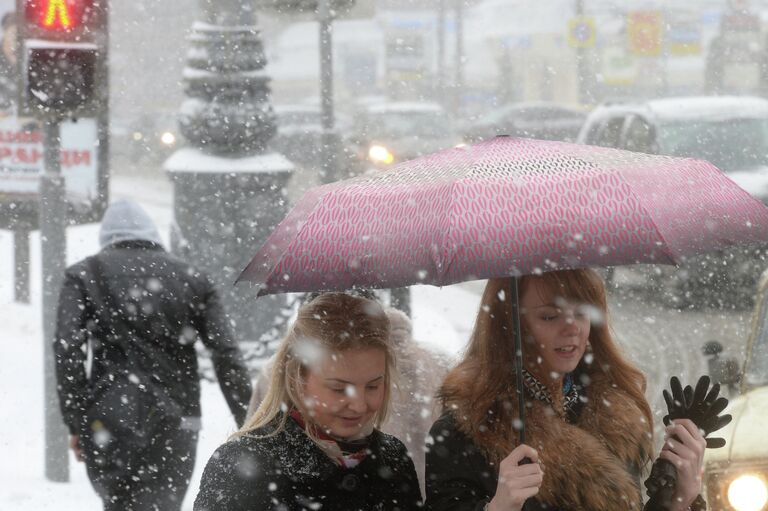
[(126, 364)]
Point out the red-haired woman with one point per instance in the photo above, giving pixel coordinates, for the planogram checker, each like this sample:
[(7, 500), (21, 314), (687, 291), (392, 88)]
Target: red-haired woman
[(588, 424)]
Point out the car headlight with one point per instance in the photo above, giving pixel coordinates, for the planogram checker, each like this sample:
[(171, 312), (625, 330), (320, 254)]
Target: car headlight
[(380, 154), (748, 492), (168, 138)]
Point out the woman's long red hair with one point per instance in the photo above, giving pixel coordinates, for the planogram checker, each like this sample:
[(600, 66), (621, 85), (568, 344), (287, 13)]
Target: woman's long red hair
[(485, 375)]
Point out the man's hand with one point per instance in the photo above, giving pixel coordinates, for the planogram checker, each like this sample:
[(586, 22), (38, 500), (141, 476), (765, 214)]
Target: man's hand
[(74, 444)]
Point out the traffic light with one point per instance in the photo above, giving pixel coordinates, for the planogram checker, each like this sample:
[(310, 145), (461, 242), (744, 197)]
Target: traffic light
[(62, 46)]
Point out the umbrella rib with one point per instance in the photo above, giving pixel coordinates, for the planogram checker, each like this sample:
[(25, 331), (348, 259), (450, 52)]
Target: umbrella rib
[(447, 236), (318, 202), (448, 262), (664, 247)]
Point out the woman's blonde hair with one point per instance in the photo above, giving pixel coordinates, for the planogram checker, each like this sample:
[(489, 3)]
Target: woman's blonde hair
[(331, 322), (485, 372)]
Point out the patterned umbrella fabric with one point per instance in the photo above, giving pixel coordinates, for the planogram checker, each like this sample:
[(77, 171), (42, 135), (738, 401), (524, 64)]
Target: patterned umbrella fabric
[(503, 207)]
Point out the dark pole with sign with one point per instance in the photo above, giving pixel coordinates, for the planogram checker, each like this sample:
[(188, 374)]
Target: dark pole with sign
[(61, 45)]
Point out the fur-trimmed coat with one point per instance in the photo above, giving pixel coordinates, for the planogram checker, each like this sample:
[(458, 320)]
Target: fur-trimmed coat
[(593, 463)]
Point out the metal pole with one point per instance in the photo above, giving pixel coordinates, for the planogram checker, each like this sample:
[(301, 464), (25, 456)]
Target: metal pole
[(459, 81), (440, 85), (53, 213), (21, 264), (582, 65), (514, 297), (329, 171)]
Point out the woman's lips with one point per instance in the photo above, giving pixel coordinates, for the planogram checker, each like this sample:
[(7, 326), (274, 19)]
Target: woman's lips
[(567, 352)]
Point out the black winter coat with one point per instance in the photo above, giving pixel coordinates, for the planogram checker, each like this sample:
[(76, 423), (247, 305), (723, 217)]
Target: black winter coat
[(459, 477), (164, 301), (289, 472)]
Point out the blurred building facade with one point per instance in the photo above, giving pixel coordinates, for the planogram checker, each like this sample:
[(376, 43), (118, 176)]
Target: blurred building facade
[(515, 50)]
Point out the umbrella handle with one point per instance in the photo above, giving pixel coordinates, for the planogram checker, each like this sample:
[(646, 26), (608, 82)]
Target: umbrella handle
[(518, 345)]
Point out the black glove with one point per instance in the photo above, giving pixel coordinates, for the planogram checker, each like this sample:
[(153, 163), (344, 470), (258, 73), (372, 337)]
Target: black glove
[(701, 405)]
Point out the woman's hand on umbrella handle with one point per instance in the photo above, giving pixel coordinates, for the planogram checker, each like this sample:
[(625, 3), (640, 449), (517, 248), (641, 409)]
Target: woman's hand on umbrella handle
[(684, 447), (517, 483)]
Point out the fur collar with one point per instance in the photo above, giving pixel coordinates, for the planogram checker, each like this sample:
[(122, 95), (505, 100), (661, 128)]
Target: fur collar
[(592, 465)]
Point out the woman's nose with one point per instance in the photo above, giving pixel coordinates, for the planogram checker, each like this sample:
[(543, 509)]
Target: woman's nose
[(356, 402), (570, 322)]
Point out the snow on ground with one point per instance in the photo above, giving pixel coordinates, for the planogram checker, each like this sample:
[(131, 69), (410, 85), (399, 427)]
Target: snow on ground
[(442, 319)]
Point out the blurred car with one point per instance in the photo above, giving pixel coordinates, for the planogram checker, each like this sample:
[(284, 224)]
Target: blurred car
[(390, 132), (542, 120), (300, 130), (730, 132), (148, 139), (736, 476)]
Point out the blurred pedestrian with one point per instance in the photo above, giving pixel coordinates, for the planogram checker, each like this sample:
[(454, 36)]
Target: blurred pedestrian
[(126, 364), (414, 408), (420, 373), (588, 425), (314, 442)]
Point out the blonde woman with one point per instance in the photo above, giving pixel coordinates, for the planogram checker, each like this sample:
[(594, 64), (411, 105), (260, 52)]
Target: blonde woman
[(313, 443)]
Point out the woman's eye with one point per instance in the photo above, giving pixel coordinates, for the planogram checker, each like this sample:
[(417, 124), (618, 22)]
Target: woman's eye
[(372, 387), (549, 317), (339, 390)]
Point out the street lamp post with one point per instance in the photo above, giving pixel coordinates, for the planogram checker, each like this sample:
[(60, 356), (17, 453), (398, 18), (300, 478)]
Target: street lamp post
[(330, 171), (440, 85), (583, 68), (459, 79), (325, 12)]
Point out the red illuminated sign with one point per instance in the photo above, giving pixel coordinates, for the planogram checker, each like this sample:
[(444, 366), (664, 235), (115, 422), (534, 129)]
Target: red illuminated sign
[(57, 15)]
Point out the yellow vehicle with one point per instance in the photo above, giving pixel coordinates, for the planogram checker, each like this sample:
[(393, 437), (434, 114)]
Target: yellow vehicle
[(736, 476)]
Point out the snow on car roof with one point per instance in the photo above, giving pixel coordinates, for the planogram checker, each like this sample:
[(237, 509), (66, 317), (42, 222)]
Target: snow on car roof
[(404, 106), (695, 107), (709, 106)]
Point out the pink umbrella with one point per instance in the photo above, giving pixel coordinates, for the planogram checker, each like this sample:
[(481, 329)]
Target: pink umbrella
[(505, 207)]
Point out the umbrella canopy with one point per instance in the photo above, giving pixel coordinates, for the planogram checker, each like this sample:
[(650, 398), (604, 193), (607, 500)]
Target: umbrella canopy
[(504, 207)]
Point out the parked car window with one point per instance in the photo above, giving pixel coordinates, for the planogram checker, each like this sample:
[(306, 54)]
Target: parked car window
[(399, 124), (733, 144), (639, 136), (610, 132)]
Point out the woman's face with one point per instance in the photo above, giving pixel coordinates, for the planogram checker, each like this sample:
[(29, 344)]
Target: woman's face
[(344, 391), (560, 329)]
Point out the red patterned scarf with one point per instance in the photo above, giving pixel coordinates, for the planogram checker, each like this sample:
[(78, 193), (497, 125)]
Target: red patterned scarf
[(344, 454)]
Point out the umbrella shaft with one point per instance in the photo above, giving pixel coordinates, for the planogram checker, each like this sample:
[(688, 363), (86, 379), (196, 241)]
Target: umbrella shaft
[(514, 296)]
